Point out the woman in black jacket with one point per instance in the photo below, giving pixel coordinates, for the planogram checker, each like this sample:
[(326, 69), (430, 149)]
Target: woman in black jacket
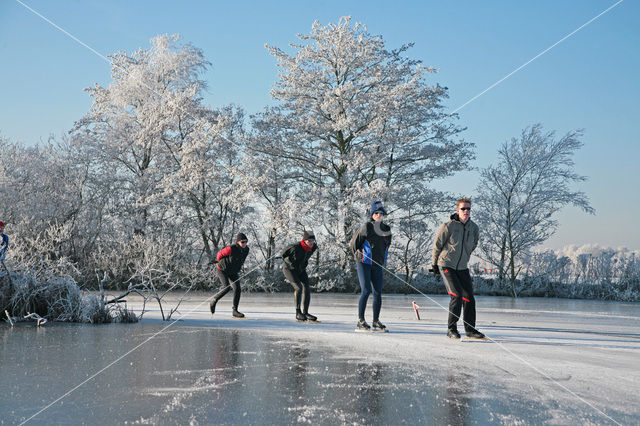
[(230, 261), (370, 245), (295, 260)]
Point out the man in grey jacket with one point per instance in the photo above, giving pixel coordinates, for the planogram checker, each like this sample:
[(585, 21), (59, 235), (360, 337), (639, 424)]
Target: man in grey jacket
[(454, 243)]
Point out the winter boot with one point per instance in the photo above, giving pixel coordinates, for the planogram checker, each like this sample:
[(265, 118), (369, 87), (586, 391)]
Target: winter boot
[(300, 316), (362, 325), (311, 317), (237, 314), (475, 334), (453, 334), (212, 306), (378, 326)]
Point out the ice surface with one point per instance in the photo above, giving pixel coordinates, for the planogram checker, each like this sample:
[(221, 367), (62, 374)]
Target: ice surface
[(549, 361)]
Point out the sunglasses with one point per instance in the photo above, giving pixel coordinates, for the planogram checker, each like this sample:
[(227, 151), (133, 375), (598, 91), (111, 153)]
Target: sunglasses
[(465, 208), (243, 241)]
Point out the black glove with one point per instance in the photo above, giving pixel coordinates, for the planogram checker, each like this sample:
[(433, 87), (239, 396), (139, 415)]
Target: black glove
[(435, 269)]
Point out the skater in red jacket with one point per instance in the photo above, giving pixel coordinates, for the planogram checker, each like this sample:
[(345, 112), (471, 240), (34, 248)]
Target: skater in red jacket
[(230, 261)]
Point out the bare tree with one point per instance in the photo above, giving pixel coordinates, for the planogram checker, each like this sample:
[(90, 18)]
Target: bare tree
[(519, 195)]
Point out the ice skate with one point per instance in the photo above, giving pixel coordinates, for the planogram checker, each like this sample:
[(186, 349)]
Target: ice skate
[(236, 314), (379, 327), (362, 326), (212, 306), (452, 333), (300, 316), (311, 318), (475, 335)]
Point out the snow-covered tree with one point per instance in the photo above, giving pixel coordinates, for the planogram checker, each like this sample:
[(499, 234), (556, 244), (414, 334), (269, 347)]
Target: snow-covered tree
[(168, 166), (282, 216), (137, 121), (209, 184), (38, 184), (518, 196), (356, 122), (41, 189), (417, 211)]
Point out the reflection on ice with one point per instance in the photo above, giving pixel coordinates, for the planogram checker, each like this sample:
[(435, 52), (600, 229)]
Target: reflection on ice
[(459, 386), (282, 372)]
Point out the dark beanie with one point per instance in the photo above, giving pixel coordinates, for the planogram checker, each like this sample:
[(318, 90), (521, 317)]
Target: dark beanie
[(308, 235), (241, 237), (376, 206)]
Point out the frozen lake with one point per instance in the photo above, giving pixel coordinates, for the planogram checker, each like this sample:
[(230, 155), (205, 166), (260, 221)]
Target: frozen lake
[(549, 361)]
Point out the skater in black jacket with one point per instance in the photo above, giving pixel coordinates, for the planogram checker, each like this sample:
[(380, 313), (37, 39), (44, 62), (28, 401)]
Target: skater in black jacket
[(295, 260), (230, 261)]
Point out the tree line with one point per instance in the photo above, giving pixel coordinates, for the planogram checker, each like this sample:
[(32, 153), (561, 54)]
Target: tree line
[(150, 183)]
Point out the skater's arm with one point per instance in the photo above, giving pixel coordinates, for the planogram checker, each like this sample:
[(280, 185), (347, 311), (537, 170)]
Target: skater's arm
[(476, 238), (387, 235), (357, 241), (438, 243), (223, 253), (360, 238), (288, 255), (4, 246)]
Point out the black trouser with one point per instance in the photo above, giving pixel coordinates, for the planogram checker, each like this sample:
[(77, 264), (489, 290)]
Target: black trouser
[(300, 283), (228, 283), (460, 288)]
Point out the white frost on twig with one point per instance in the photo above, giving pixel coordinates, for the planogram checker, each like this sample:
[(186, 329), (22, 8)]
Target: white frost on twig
[(39, 320)]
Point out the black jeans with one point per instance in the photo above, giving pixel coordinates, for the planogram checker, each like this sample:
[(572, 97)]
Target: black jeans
[(460, 288), (300, 283), (228, 283)]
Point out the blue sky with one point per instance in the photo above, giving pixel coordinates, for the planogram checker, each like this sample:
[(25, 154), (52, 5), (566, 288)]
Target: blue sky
[(589, 81)]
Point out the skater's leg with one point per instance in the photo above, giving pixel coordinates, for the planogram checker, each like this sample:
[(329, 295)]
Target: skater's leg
[(468, 301), (376, 281), (306, 293), (454, 288), (294, 280), (364, 276), (235, 283), (226, 287)]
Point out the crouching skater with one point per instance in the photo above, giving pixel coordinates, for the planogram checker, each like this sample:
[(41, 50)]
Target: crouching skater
[(230, 261), (295, 260)]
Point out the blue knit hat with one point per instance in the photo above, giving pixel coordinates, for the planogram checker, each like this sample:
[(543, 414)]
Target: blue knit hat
[(376, 206)]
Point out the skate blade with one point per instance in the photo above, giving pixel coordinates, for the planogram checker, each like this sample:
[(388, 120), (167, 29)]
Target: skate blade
[(362, 330), (469, 339), (239, 318), (309, 321), (384, 330)]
